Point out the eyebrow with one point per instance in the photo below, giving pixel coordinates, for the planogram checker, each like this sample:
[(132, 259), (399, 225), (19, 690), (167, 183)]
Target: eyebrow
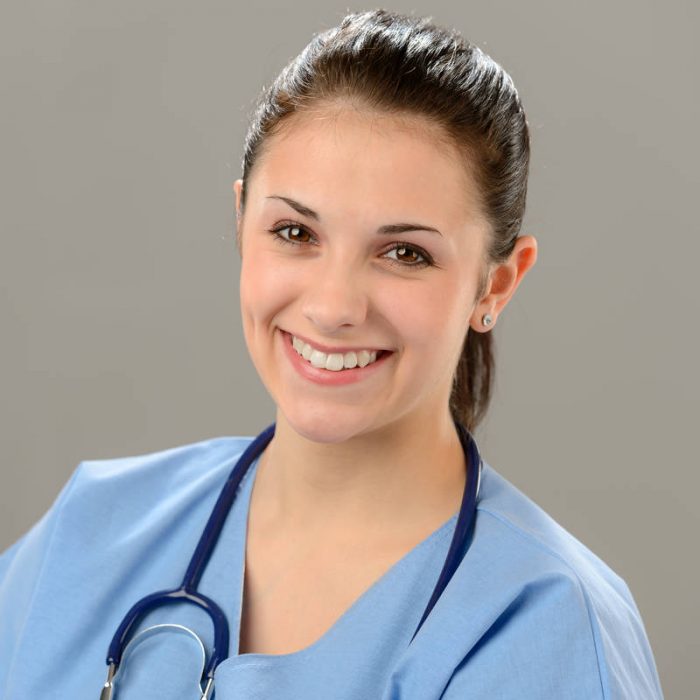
[(390, 229)]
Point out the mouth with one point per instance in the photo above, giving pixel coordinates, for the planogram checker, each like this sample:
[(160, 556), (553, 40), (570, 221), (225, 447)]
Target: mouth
[(343, 366), (334, 359)]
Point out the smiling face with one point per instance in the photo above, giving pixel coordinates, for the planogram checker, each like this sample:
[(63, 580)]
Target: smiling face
[(337, 249)]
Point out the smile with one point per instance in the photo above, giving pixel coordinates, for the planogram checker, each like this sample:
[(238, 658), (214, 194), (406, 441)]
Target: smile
[(334, 361), (335, 367)]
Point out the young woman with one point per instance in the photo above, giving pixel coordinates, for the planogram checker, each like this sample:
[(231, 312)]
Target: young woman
[(359, 547)]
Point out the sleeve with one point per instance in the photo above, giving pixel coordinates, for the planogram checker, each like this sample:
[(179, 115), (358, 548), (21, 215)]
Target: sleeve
[(550, 643), (21, 568)]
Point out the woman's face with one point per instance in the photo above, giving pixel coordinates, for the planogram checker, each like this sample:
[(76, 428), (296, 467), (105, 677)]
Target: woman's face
[(360, 232)]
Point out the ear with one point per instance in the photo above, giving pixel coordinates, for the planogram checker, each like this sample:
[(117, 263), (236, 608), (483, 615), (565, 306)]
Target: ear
[(237, 185), (503, 280)]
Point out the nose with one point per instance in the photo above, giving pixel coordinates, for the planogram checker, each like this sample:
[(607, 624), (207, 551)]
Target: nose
[(335, 296)]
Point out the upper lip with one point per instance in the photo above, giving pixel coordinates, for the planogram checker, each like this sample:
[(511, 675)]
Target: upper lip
[(328, 350)]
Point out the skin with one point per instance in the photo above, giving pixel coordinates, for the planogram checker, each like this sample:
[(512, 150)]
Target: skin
[(378, 458)]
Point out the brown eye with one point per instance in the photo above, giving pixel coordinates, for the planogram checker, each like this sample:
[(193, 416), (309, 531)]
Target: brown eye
[(408, 256), (296, 235)]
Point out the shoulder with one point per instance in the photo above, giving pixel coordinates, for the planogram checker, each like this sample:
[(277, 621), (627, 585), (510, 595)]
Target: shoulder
[(113, 491), (116, 493), (171, 468), (108, 500), (114, 515), (140, 495), (548, 604), (517, 522)]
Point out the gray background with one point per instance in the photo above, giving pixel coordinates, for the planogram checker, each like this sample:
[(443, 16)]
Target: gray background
[(121, 130)]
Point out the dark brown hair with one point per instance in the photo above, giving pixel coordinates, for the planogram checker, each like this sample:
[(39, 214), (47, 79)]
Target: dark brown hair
[(405, 65)]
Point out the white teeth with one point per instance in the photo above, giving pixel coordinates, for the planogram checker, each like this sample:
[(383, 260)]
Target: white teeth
[(334, 361), (350, 360), (318, 358), (363, 358)]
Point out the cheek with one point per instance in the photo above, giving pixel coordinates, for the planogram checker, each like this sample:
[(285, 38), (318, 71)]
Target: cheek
[(431, 321), (428, 317), (264, 285)]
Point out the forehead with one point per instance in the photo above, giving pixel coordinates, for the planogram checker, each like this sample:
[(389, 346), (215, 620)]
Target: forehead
[(340, 155)]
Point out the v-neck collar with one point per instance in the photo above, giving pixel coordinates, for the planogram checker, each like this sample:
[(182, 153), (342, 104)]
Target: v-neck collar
[(355, 608)]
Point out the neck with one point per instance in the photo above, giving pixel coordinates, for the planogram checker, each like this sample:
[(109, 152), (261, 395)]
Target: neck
[(406, 477)]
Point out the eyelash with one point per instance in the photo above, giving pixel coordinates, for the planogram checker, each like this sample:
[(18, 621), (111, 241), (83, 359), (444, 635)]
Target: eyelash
[(426, 262)]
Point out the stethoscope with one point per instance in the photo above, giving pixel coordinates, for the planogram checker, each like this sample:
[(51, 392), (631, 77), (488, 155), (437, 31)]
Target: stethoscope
[(187, 591)]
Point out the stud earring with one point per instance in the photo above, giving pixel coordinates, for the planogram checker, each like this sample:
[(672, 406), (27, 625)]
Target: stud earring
[(487, 319)]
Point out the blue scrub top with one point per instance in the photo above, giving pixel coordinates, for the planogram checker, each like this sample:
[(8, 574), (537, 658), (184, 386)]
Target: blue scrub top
[(530, 613)]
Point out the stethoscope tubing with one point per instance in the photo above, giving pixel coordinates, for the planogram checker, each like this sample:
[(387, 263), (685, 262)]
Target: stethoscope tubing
[(465, 520), (187, 591)]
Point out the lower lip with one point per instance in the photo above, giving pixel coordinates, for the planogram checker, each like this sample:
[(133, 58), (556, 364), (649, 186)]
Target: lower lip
[(327, 376)]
